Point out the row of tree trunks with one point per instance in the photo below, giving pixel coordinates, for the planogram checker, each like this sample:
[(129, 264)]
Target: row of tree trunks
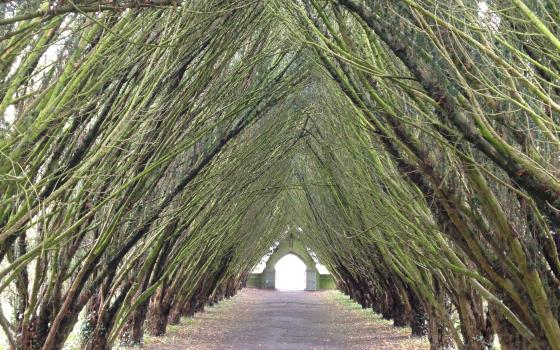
[(393, 301)]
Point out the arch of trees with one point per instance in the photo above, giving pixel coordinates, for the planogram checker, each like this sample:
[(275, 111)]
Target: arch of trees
[(151, 152)]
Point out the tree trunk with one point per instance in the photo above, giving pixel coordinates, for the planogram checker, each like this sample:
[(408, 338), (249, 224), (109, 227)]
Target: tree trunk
[(418, 321), (175, 315), (133, 332), (473, 323), (439, 335), (399, 313), (158, 313), (509, 337)]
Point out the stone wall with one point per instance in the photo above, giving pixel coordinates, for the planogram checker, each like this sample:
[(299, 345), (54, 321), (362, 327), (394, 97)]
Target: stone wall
[(325, 281)]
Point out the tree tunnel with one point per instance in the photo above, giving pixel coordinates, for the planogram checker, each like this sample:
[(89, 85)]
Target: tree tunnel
[(151, 152)]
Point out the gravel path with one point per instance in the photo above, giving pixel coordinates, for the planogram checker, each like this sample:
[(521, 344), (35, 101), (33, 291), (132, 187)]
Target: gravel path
[(260, 319)]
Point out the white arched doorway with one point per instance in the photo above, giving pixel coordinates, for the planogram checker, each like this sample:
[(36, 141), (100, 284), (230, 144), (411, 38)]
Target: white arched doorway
[(290, 273)]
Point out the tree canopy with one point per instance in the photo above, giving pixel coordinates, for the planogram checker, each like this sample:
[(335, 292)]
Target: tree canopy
[(151, 152)]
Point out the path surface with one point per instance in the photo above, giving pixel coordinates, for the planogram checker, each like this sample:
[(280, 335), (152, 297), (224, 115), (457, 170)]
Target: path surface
[(259, 319)]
